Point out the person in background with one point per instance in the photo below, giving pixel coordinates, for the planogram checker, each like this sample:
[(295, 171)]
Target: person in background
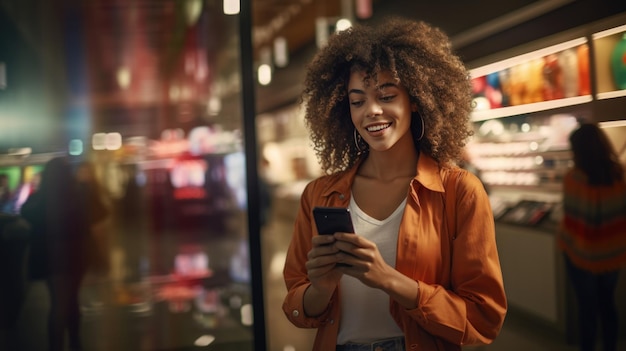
[(388, 109), (59, 224), (592, 234)]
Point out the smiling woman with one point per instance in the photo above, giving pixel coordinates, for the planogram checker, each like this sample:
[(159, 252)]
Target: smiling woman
[(387, 108)]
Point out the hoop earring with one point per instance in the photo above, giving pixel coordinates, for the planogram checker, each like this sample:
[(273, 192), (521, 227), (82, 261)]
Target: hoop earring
[(357, 142), (421, 131)]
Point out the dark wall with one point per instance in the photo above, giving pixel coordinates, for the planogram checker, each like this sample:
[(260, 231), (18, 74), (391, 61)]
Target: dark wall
[(572, 15)]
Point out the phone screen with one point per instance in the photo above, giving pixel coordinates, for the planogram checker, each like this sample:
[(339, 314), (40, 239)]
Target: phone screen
[(330, 220)]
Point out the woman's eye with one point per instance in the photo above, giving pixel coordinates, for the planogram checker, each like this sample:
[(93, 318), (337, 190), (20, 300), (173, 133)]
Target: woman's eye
[(387, 98), (356, 103)]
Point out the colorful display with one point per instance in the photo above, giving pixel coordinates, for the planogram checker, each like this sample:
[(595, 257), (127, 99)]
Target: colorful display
[(555, 76)]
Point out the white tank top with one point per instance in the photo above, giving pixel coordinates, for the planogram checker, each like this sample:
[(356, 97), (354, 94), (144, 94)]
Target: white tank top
[(365, 313)]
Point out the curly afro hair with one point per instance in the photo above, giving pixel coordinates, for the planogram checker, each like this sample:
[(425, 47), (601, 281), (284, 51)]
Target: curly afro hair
[(420, 57)]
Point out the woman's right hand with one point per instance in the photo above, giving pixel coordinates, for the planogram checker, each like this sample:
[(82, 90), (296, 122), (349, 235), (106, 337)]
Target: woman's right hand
[(323, 275)]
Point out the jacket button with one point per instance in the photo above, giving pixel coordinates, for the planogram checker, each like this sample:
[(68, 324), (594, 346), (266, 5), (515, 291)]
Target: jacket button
[(332, 321), (341, 196), (295, 313)]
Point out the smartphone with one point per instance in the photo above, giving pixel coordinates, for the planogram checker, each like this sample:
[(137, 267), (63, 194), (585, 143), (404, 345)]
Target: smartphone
[(330, 220)]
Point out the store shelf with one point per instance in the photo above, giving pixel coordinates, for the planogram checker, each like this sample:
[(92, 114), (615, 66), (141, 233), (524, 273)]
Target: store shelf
[(611, 94), (523, 153), (575, 62), (605, 43), (520, 145), (536, 54), (548, 78), (530, 108)]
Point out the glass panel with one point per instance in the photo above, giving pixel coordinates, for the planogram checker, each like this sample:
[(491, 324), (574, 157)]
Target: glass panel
[(138, 240)]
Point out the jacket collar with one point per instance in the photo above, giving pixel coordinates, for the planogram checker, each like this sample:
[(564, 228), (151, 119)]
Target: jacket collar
[(428, 175)]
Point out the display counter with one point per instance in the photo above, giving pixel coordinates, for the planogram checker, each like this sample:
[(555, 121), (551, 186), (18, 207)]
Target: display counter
[(533, 272)]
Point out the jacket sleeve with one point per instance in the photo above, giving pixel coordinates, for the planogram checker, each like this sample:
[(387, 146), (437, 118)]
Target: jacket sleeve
[(472, 309), (294, 272)]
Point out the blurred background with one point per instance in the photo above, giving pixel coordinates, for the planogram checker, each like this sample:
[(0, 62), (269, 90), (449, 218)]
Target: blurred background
[(187, 113)]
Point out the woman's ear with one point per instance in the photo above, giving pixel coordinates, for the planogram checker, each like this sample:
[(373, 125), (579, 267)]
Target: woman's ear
[(413, 107)]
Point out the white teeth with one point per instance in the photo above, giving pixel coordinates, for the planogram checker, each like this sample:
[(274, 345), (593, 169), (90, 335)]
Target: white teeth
[(377, 127)]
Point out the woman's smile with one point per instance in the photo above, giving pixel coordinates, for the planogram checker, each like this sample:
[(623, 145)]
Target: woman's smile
[(376, 129)]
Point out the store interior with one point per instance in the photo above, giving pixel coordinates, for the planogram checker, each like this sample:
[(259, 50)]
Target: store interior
[(183, 107)]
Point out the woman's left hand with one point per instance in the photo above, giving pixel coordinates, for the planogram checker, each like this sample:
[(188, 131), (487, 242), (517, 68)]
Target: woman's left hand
[(363, 260)]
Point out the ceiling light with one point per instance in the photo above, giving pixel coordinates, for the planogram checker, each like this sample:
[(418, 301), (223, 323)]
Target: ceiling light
[(204, 340), (265, 74), (342, 24), (113, 141), (123, 77), (98, 141), (231, 7), (75, 147), (246, 314)]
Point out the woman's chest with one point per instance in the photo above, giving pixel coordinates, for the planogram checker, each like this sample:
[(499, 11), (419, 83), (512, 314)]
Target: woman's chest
[(379, 199)]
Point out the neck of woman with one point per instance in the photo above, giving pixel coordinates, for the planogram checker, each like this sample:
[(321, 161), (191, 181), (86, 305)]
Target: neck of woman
[(390, 164)]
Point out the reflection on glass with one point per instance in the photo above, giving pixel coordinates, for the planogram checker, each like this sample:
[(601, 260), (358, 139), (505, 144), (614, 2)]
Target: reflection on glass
[(147, 93)]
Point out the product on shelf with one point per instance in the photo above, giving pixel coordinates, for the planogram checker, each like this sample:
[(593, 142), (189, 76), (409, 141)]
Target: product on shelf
[(552, 78), (568, 60), (584, 80), (618, 63)]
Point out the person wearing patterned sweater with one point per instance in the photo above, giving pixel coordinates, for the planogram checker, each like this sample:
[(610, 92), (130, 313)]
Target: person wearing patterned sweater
[(592, 234)]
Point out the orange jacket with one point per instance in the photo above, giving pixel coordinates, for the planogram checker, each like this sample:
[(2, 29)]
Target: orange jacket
[(461, 297)]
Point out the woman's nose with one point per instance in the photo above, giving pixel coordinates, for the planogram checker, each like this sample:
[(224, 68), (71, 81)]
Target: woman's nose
[(374, 109)]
